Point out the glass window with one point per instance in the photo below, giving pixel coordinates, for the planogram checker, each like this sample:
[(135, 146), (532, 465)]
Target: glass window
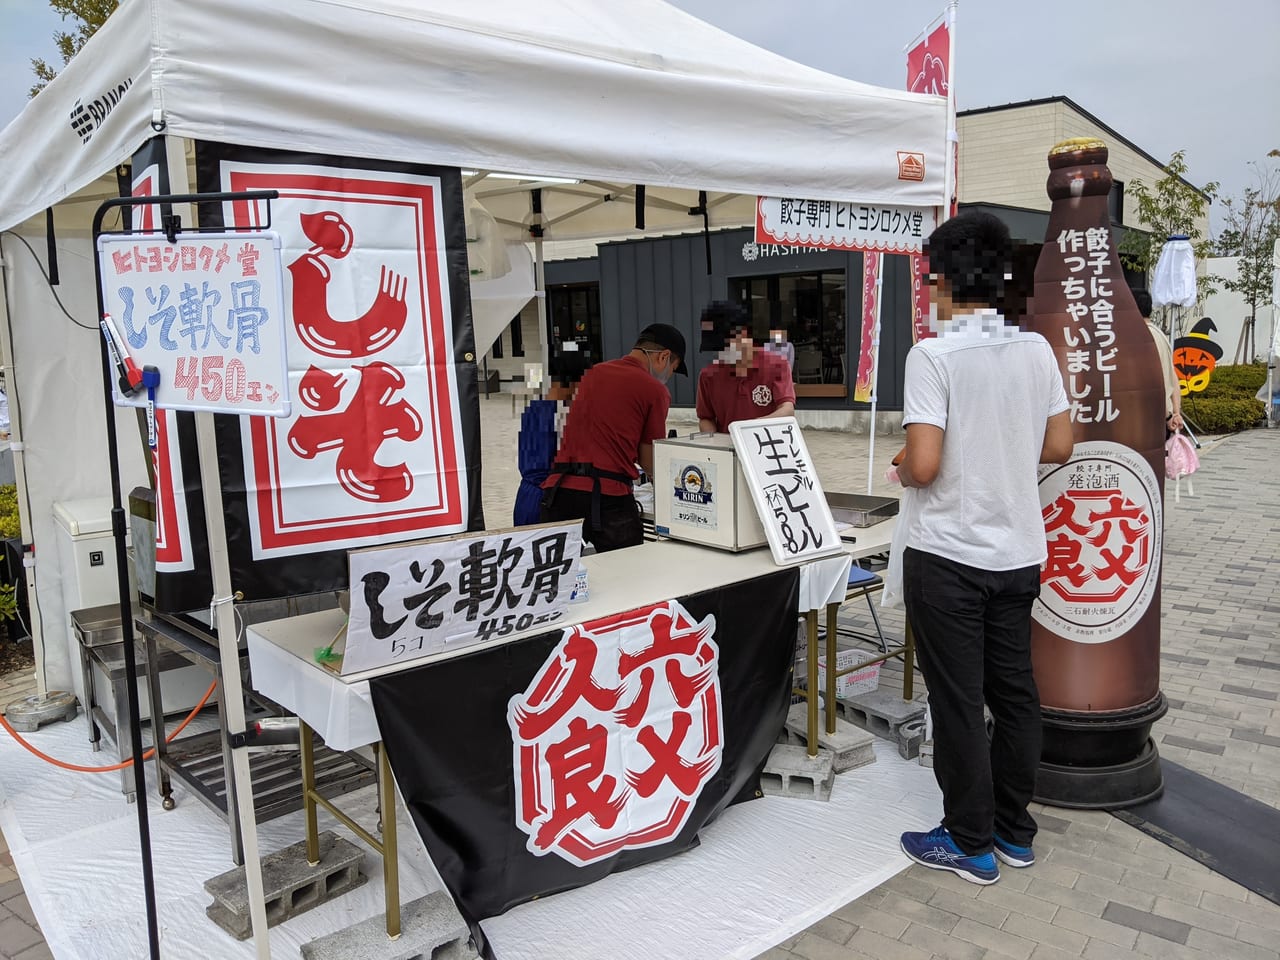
[(809, 308), (574, 311)]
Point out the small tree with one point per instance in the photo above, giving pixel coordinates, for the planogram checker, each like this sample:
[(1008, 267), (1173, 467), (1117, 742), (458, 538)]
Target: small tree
[(86, 16), (1252, 226), (1174, 206)]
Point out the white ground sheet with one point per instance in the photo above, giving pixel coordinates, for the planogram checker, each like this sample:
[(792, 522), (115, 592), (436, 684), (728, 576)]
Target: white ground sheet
[(764, 871)]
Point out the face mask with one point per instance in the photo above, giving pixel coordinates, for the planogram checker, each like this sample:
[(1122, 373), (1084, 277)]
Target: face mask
[(730, 355), (663, 377)]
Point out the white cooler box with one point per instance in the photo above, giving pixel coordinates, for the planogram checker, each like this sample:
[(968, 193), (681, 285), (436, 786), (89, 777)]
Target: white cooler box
[(701, 496)]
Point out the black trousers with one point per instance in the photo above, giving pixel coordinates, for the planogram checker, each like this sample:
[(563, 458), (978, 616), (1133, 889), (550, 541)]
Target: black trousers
[(973, 638), (620, 524)]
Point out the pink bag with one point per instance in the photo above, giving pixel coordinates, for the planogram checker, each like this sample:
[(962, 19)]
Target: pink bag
[(1180, 458)]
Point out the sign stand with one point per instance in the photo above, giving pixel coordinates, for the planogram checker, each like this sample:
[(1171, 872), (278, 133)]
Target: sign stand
[(224, 616)]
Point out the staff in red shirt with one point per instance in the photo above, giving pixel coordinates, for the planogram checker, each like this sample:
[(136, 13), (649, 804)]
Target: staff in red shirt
[(744, 382), (620, 409)]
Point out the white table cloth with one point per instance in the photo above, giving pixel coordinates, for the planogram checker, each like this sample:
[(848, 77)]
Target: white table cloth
[(340, 709)]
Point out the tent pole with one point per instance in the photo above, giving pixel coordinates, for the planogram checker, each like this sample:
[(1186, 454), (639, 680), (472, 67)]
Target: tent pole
[(537, 229), (126, 614), (20, 479), (875, 371), (224, 623), (223, 610)]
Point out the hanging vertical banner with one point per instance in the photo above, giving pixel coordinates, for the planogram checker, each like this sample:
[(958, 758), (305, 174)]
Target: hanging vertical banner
[(929, 71), (382, 443), (929, 61), (920, 328), (173, 459), (862, 387), (591, 749)]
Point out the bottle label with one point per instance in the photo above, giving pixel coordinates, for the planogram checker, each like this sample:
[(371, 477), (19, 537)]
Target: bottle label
[(1103, 523)]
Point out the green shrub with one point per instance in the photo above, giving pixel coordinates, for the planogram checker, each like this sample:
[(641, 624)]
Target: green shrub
[(1235, 380), (1222, 414), (10, 525)]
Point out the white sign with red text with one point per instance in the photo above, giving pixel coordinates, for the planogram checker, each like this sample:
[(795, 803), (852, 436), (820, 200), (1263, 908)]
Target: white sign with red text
[(207, 311), (837, 225), (373, 450)]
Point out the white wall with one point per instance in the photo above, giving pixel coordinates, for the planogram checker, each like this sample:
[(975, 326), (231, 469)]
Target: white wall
[(1230, 313), (56, 374)]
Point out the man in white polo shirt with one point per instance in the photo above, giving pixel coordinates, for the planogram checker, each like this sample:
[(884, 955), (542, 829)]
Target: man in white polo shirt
[(984, 405)]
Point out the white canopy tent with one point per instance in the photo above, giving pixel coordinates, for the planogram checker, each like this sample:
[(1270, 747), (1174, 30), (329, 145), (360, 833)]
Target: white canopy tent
[(606, 94)]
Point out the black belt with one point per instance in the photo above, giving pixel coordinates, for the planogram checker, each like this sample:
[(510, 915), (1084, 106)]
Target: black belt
[(562, 470)]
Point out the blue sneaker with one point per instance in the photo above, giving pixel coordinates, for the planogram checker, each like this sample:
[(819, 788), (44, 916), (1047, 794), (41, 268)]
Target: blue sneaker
[(1012, 854), (938, 851)]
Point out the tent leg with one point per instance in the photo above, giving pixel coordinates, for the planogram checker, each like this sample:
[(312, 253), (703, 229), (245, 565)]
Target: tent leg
[(20, 480)]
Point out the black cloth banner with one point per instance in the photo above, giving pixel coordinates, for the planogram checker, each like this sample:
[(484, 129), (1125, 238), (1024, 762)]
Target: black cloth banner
[(383, 441), (545, 764)]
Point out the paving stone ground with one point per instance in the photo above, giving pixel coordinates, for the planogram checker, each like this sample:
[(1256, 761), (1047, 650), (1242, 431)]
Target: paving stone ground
[(1101, 890)]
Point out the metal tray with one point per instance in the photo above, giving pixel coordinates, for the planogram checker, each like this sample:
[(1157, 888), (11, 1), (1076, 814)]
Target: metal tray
[(860, 510)]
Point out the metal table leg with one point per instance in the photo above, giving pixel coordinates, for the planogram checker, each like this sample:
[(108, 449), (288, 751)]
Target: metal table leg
[(128, 782), (390, 853), (811, 691), (164, 787), (386, 846), (233, 821), (86, 672), (306, 745), (833, 611)]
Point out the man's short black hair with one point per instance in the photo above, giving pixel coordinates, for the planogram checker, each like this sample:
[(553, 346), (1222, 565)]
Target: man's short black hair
[(974, 253), (1143, 299)]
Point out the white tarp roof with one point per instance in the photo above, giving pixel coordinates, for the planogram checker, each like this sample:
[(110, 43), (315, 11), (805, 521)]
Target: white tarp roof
[(634, 92)]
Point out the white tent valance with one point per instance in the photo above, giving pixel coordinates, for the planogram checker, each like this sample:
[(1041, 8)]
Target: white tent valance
[(635, 92)]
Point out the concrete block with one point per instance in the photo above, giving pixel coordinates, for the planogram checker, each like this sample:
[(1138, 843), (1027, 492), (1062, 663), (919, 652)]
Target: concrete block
[(887, 715), (925, 757), (849, 746), (290, 885), (429, 927), (791, 772), (910, 737)]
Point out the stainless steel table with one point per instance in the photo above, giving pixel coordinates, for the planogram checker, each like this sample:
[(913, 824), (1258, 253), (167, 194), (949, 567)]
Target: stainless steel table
[(202, 762)]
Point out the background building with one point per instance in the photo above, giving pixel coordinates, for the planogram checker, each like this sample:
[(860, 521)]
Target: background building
[(600, 293)]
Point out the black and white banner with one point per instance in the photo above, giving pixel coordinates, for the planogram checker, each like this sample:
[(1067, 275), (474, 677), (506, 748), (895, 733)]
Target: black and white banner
[(553, 761)]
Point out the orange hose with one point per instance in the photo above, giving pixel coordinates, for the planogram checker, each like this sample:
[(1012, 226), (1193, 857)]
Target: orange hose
[(115, 766)]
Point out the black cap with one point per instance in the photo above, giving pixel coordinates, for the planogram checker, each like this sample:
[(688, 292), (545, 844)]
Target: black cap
[(667, 337)]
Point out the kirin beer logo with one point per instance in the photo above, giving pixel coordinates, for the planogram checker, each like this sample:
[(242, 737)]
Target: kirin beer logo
[(618, 734), (87, 117)]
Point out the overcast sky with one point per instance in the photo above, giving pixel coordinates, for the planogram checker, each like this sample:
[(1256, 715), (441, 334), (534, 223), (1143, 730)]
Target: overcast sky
[(1167, 74)]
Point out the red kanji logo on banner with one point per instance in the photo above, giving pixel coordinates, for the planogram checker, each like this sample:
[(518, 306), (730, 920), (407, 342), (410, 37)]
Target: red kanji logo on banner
[(1099, 545), (1102, 527), (618, 733), (373, 450)]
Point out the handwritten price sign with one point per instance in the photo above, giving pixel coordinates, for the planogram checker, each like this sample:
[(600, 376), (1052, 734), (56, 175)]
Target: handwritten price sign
[(207, 312)]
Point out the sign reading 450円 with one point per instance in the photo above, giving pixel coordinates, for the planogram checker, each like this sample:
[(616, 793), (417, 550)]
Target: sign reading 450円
[(207, 311)]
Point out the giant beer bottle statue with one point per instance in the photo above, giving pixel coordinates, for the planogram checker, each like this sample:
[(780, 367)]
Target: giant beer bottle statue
[(1096, 627)]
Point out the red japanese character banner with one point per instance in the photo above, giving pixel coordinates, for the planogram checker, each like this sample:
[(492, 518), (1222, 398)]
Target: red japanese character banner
[(551, 762), (862, 386), (921, 328), (382, 443), (174, 458)]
